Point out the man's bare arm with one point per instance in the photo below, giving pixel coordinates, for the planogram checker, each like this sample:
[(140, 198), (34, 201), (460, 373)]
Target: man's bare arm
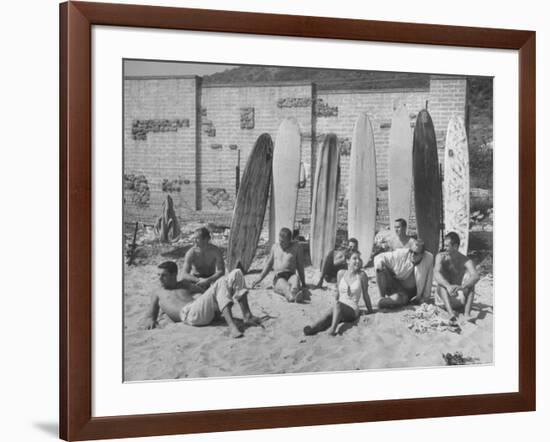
[(150, 320), (427, 293), (267, 268), (339, 257), (339, 277), (473, 275)]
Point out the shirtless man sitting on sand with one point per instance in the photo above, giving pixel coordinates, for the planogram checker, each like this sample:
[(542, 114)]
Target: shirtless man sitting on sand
[(175, 299), (203, 263), (287, 261), (450, 268), (335, 261), (404, 275)]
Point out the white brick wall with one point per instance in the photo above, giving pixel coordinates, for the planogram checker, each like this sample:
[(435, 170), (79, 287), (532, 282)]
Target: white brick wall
[(175, 154)]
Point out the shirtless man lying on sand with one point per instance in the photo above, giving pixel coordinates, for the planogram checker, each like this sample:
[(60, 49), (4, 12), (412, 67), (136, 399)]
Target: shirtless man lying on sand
[(404, 275), (450, 268), (203, 263), (175, 299), (335, 261), (287, 261)]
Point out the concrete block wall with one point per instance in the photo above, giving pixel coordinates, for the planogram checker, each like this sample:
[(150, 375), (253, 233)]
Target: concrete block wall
[(223, 119), (160, 121), (222, 106), (446, 97)]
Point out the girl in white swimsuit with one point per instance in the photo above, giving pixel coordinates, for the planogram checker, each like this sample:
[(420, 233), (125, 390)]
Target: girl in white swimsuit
[(351, 286)]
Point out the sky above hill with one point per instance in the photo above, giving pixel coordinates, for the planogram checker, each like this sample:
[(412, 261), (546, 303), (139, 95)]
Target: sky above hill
[(153, 67)]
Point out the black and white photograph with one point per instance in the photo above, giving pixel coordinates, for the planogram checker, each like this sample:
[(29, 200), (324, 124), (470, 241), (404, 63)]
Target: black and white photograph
[(281, 220)]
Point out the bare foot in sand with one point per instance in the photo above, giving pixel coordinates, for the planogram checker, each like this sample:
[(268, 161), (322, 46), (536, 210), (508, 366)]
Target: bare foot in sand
[(252, 320), (453, 322), (236, 333), (300, 297), (332, 332)]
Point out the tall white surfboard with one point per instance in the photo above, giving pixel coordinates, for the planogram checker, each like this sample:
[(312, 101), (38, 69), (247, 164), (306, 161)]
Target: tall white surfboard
[(362, 187), (400, 176), (286, 175)]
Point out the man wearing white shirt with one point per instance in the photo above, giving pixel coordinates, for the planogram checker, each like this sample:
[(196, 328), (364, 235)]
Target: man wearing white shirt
[(404, 275)]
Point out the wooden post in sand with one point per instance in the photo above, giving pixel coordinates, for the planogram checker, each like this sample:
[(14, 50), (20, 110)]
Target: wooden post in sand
[(238, 172), (132, 251), (442, 217)]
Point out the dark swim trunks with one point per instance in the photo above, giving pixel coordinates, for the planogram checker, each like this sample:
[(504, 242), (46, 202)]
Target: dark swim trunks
[(285, 275)]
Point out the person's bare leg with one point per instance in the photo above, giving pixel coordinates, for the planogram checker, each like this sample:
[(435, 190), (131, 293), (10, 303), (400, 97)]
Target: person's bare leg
[(282, 287), (324, 272), (233, 329), (248, 317), (336, 316), (320, 325), (382, 282), (468, 301), (444, 295), (298, 292)]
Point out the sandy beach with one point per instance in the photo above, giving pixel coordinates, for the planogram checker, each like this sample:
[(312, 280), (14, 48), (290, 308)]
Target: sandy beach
[(415, 336)]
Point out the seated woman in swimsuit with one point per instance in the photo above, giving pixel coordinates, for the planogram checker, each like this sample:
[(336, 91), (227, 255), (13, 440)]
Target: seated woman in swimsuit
[(351, 286)]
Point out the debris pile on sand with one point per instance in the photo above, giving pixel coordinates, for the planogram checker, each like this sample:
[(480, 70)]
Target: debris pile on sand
[(458, 359), (428, 318)]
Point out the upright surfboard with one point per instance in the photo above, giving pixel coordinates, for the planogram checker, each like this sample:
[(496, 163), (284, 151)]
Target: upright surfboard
[(400, 165), (427, 187), (250, 206), (286, 175), (456, 184), (325, 201), (362, 187)]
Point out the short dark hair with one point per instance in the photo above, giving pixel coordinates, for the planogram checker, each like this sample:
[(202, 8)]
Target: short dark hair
[(402, 222), (453, 236), (204, 232), (286, 231), (354, 241), (171, 266)]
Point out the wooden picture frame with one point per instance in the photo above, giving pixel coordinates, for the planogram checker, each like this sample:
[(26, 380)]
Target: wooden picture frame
[(76, 21)]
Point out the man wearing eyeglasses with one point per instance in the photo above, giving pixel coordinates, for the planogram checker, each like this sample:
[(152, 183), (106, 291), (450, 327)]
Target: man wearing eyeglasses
[(404, 275)]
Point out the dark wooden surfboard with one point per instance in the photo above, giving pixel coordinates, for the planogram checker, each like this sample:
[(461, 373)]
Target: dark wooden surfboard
[(250, 206), (427, 190), (325, 201)]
